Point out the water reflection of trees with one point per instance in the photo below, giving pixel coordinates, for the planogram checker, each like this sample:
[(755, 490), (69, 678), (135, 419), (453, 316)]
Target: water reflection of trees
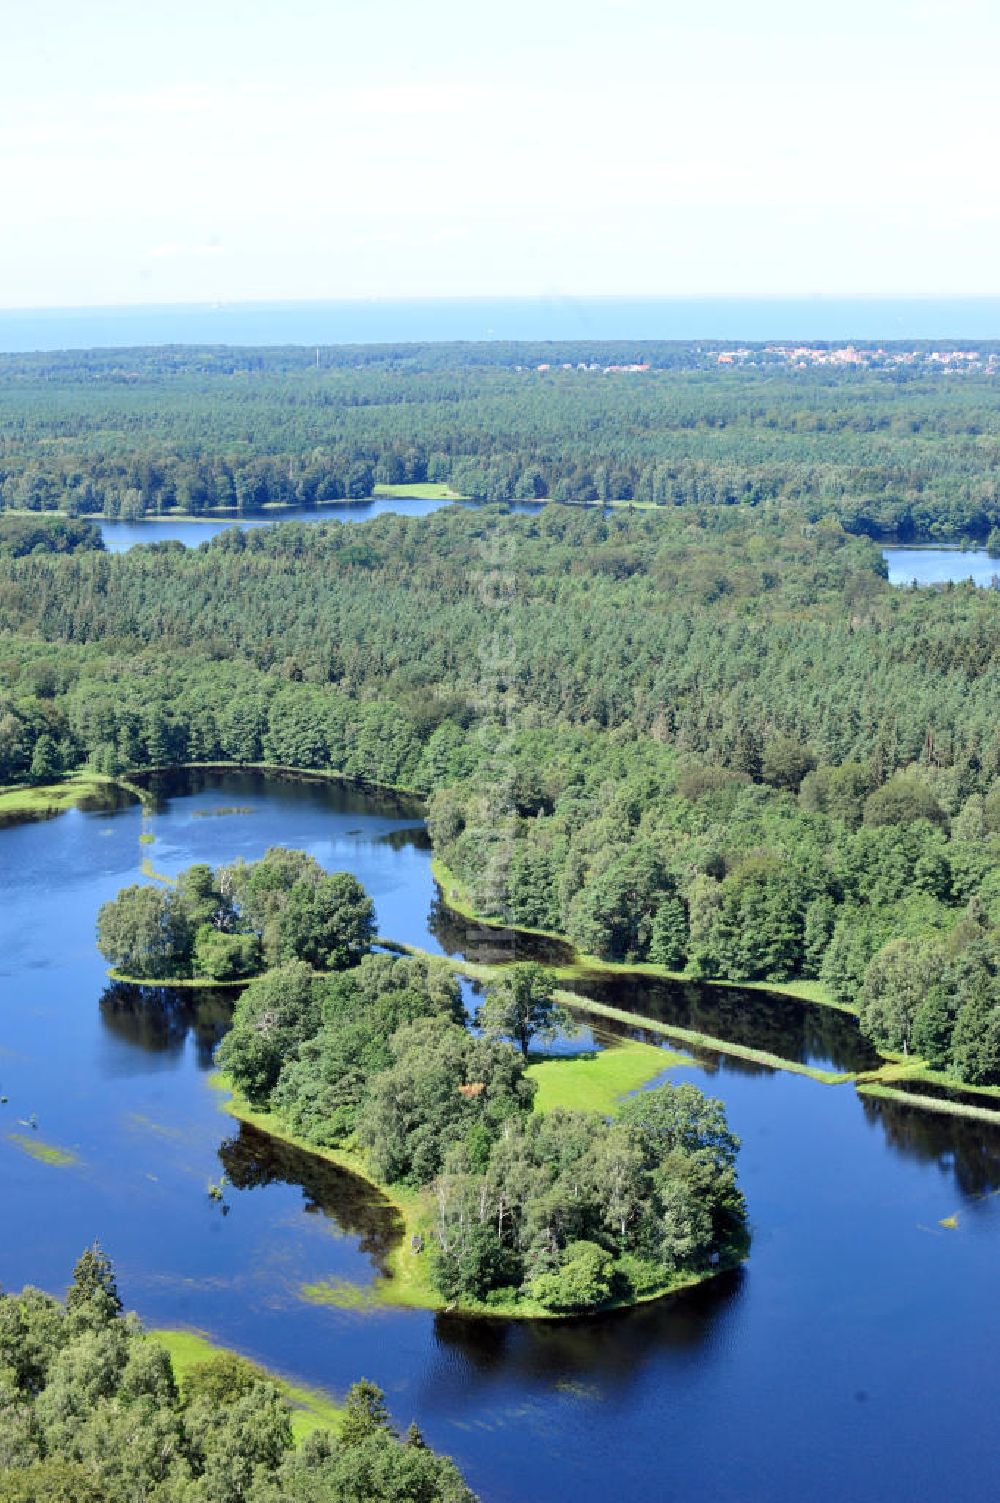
[(253, 1159), (412, 837), (493, 946), (158, 1019), (606, 1350), (969, 1150), (781, 1025), (242, 784), (769, 1021)]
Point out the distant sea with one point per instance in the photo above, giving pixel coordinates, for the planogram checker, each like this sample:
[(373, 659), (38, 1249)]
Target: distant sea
[(399, 320)]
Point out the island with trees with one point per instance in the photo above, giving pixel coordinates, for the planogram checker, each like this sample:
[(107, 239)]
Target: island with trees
[(370, 1056), (230, 924)]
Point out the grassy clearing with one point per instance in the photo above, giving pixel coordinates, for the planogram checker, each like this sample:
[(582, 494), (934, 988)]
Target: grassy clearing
[(597, 1082), (912, 1068), (426, 490), (54, 798), (45, 1153), (312, 1408), (878, 1091)]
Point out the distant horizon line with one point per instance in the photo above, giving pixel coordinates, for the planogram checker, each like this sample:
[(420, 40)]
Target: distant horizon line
[(378, 299), (535, 318)]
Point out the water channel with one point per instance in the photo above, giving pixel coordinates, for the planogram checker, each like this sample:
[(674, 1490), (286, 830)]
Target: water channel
[(854, 1356)]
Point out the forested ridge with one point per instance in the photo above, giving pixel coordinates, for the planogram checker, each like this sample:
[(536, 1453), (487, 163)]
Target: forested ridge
[(902, 451)]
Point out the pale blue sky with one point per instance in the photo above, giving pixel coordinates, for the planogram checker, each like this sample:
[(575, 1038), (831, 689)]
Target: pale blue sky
[(213, 150)]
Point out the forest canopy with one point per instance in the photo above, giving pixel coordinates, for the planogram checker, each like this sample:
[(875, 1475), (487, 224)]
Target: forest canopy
[(92, 1411), (730, 749), (895, 449)]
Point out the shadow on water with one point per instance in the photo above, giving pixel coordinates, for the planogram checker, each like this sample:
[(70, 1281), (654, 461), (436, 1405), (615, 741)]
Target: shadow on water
[(253, 1160), (770, 1021), (488, 944), (609, 1349), (159, 1019), (245, 783)]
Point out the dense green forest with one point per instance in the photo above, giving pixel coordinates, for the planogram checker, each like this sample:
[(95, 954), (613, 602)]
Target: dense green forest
[(564, 1209), (92, 1411), (725, 743), (901, 450), (710, 736)]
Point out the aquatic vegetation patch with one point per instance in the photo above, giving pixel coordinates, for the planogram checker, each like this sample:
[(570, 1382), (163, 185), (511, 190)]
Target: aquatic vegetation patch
[(138, 1121), (341, 1294), (45, 1153), (222, 811)]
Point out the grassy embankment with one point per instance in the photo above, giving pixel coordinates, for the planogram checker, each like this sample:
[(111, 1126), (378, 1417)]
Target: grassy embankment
[(593, 1082), (31, 802), (21, 802), (312, 1408), (872, 1083), (913, 1070)]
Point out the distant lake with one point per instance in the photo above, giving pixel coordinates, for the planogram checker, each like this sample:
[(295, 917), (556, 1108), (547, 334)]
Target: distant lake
[(120, 536), (928, 566)]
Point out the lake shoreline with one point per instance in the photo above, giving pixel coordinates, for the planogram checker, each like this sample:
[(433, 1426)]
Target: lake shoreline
[(406, 1283), (49, 800)]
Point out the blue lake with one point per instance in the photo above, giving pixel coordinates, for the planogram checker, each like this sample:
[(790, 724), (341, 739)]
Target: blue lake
[(930, 566), (120, 536), (855, 1356)]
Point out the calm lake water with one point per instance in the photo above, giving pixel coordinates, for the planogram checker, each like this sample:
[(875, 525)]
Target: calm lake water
[(855, 1355), (120, 536), (929, 566)]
